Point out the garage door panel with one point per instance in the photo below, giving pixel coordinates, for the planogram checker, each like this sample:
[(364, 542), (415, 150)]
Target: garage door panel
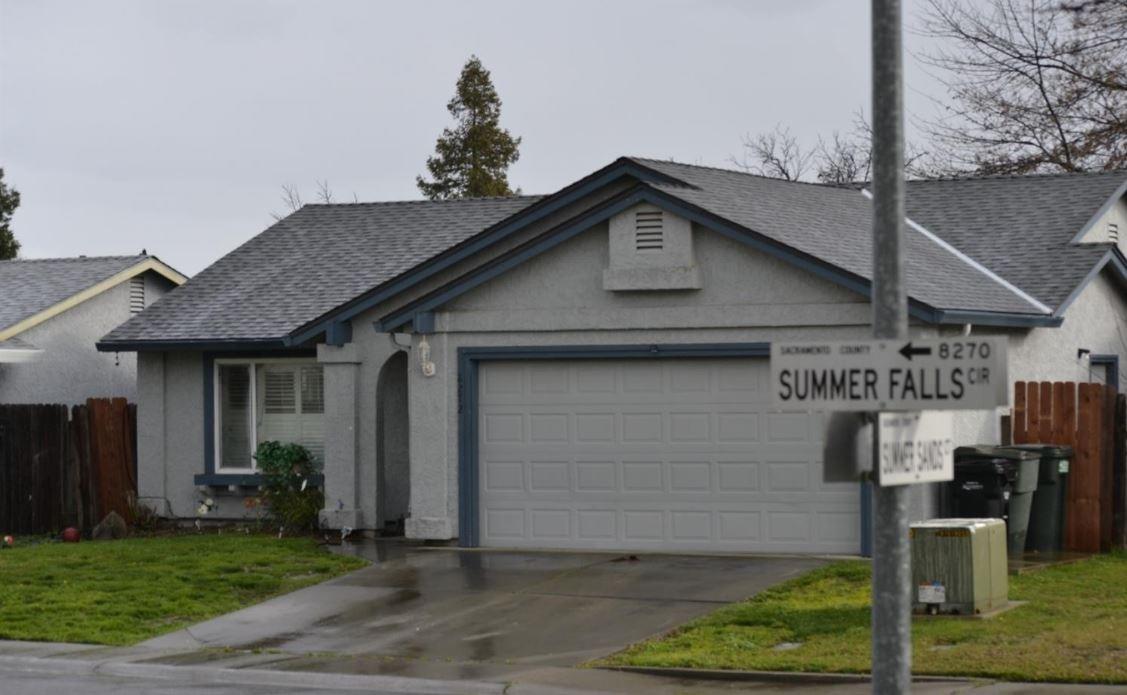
[(662, 454)]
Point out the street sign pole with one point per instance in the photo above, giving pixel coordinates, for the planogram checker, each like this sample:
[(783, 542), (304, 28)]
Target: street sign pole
[(892, 644)]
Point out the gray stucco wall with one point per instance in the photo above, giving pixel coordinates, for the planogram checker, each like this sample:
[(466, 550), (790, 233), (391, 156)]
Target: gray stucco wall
[(558, 299), (70, 370), (1096, 321)]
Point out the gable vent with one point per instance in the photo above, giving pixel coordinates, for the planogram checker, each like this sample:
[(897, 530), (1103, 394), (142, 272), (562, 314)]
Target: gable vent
[(136, 294), (649, 231), (1113, 232)]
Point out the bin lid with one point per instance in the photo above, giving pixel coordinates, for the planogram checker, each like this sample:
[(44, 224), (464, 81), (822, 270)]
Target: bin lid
[(992, 451), (1056, 451)]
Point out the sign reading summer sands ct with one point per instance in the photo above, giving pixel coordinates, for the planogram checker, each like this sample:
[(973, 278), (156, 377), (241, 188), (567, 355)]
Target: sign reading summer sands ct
[(966, 373)]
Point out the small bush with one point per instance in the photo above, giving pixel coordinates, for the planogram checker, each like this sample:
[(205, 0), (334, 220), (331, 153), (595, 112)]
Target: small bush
[(287, 472)]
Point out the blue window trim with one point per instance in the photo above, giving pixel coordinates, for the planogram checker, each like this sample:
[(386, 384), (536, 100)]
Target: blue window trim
[(470, 359), (1112, 363), (210, 476)]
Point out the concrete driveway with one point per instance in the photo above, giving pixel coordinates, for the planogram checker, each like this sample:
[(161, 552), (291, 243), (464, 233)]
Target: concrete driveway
[(467, 607)]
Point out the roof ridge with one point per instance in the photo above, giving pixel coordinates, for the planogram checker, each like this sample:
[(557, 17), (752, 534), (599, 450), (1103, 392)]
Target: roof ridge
[(74, 259), (1020, 177), (854, 184), (730, 171), (425, 201)]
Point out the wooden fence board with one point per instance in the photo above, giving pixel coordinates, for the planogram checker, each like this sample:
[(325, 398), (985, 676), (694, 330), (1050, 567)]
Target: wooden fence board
[(1018, 418), (1083, 511), (1069, 414), (1032, 413), (1046, 420), (1119, 473), (63, 466), (1107, 466)]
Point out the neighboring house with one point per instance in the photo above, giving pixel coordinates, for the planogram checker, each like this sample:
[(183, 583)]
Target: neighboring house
[(53, 311), (589, 369)]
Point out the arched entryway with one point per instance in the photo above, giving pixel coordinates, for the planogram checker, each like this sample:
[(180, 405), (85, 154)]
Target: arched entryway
[(393, 471)]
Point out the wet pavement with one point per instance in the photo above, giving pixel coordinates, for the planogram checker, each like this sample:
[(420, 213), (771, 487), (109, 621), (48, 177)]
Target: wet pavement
[(451, 613)]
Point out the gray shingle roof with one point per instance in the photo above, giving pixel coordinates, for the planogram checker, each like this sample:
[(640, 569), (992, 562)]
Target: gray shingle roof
[(309, 263), (1019, 226), (835, 224), (28, 286), (324, 256)]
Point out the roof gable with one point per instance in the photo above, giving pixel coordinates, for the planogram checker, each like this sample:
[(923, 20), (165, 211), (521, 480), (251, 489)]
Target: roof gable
[(1021, 227), (34, 290)]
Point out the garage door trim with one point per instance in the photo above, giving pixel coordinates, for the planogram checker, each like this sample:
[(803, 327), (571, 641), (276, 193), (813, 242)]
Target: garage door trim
[(469, 359)]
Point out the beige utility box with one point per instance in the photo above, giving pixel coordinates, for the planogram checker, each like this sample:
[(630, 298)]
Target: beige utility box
[(959, 566)]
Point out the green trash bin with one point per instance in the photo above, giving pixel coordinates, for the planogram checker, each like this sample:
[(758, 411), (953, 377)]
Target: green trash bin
[(1046, 517), (1021, 467)]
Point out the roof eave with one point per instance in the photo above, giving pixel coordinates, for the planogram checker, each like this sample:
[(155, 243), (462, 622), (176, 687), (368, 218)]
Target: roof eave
[(996, 318), (192, 345)]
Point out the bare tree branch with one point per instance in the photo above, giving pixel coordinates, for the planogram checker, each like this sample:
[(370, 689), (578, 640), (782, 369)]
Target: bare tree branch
[(1033, 85), (776, 154)]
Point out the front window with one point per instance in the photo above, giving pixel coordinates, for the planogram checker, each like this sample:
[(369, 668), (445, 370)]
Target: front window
[(263, 400)]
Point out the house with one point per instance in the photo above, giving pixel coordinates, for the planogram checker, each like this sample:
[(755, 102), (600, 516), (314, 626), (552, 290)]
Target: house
[(53, 311), (588, 369)]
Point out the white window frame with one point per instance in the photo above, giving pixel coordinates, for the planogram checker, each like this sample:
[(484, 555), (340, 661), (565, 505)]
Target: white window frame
[(252, 363)]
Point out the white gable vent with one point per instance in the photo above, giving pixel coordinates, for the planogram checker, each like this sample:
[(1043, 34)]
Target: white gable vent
[(649, 231), (1113, 232), (136, 294)]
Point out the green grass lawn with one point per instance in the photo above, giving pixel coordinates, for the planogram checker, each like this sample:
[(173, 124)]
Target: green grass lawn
[(122, 592), (1074, 629)]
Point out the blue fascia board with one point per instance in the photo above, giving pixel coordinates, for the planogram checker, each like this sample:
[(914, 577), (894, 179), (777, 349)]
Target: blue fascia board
[(620, 168), (338, 333), (608, 209), (993, 318), (191, 345)]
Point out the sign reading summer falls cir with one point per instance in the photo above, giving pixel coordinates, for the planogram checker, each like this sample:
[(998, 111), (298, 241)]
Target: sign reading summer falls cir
[(879, 375)]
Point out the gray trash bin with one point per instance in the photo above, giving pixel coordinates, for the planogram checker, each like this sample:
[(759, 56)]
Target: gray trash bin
[(1014, 465), (1046, 517)]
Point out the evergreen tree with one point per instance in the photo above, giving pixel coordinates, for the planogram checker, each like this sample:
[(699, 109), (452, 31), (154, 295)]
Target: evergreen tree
[(472, 158), (9, 201)]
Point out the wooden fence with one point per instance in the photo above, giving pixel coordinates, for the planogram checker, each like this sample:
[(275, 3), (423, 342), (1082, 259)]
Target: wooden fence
[(1091, 419), (66, 465)]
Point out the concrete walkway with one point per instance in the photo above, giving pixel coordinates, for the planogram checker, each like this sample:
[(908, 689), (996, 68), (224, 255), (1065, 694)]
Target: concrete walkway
[(487, 611)]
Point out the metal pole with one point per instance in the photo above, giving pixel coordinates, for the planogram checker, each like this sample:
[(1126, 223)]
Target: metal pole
[(892, 645)]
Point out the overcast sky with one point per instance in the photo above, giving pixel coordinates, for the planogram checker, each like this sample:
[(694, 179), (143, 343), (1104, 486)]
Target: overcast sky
[(172, 125)]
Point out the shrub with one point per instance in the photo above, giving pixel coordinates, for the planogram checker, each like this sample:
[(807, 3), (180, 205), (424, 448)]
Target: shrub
[(287, 487)]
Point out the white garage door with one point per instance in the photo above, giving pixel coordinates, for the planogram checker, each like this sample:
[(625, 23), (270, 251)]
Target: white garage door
[(669, 454)]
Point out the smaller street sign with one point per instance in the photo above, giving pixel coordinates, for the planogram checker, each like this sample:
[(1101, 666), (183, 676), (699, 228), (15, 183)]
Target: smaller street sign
[(964, 373), (915, 447)]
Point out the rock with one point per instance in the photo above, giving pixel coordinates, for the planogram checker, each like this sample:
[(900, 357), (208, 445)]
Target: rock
[(111, 528)]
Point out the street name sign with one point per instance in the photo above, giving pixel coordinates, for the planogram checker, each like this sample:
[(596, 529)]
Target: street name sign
[(915, 447), (965, 373)]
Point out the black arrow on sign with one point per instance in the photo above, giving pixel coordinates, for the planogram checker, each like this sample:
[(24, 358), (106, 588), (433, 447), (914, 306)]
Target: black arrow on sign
[(908, 351)]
